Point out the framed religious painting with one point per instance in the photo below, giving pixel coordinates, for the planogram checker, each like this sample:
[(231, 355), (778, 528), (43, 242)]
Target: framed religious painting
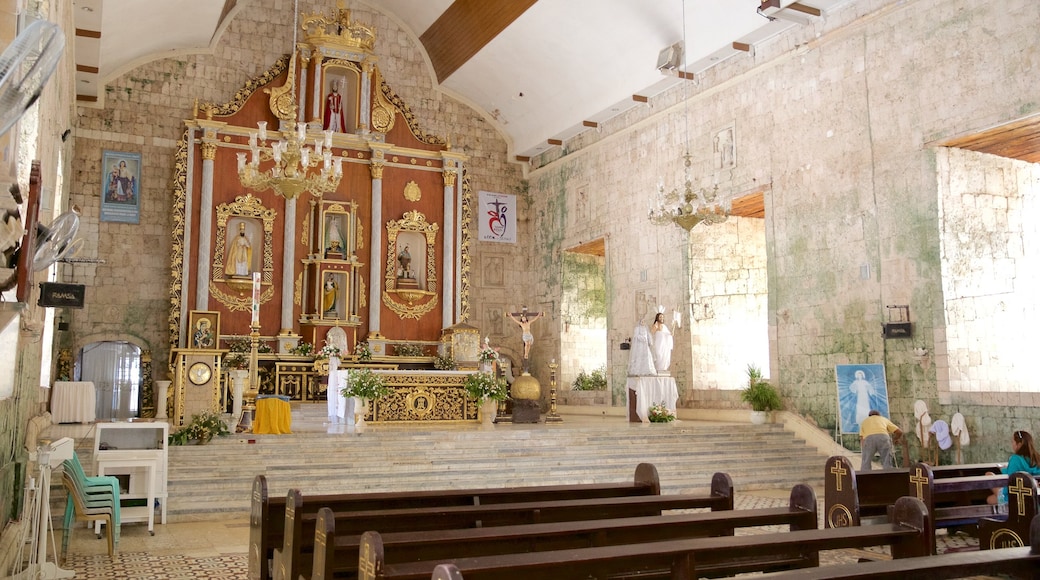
[(121, 187), (203, 329), (861, 389)]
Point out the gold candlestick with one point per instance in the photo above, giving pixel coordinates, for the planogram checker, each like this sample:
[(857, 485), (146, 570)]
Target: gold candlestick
[(253, 389), (553, 416)]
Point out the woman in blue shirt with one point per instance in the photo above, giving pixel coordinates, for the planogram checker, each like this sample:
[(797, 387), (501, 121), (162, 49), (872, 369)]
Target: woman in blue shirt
[(1025, 458)]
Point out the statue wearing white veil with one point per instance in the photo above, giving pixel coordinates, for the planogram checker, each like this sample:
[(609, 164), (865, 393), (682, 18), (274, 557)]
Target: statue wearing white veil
[(641, 364)]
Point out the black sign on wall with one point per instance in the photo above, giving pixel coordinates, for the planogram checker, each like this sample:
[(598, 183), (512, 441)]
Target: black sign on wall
[(53, 294)]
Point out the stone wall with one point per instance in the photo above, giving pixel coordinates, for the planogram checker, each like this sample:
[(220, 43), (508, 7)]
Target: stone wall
[(839, 123)]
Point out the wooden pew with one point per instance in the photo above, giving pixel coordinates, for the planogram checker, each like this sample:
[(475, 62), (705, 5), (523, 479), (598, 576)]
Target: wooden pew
[(1012, 531), (675, 559), (296, 553), (849, 496), (337, 555), (924, 486), (1019, 562), (267, 514)]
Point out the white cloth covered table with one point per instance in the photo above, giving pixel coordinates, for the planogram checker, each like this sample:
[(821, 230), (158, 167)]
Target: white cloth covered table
[(73, 402), (650, 391), (337, 403)]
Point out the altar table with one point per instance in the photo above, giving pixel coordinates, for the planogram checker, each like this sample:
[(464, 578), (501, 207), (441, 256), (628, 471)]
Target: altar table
[(650, 391), (73, 402), (273, 416)]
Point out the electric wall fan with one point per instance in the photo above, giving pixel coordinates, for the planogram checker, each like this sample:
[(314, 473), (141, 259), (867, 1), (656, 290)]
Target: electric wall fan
[(55, 242), (25, 66)]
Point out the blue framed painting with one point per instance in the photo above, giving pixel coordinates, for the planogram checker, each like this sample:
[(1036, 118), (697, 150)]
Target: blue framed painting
[(121, 187), (860, 389)]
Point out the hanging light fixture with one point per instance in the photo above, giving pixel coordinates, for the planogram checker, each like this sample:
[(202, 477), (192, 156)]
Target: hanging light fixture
[(293, 160), (291, 174), (686, 207)]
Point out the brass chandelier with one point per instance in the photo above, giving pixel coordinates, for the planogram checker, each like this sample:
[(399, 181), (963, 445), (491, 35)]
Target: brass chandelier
[(294, 161), (687, 207)]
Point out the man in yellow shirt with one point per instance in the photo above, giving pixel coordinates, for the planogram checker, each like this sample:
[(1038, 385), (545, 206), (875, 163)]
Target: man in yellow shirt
[(876, 434)]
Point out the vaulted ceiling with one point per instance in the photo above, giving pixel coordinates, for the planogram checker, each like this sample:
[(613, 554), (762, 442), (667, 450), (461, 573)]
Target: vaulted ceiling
[(541, 70)]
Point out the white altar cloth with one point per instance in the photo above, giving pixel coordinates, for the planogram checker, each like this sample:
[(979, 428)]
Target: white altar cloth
[(73, 402), (650, 391)]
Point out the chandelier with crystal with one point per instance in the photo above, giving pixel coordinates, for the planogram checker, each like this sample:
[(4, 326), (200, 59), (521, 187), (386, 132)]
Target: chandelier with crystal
[(293, 171), (687, 207)]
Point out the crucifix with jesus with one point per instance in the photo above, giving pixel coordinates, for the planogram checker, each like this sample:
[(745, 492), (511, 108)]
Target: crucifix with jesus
[(524, 318)]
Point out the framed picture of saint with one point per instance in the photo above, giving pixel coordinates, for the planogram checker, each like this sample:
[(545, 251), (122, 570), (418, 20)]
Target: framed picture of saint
[(121, 187), (203, 329)]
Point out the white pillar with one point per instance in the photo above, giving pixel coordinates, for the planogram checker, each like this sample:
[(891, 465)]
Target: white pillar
[(162, 390), (209, 150), (288, 266), (376, 251), (448, 259)]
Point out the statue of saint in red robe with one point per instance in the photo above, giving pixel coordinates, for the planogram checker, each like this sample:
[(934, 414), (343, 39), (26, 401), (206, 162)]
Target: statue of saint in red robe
[(334, 118)]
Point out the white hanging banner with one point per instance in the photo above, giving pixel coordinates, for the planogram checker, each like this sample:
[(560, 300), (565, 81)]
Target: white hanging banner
[(496, 216)]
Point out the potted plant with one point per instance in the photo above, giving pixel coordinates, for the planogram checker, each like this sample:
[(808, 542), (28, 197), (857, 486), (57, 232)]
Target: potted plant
[(762, 396), (364, 385), (488, 390)]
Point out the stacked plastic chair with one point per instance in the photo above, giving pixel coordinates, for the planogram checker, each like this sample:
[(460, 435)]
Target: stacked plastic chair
[(90, 498)]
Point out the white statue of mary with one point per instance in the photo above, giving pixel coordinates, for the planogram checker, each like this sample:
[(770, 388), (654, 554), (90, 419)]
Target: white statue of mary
[(641, 364)]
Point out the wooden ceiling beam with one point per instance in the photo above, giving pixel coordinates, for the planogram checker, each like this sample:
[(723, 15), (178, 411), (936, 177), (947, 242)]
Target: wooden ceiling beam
[(465, 28)]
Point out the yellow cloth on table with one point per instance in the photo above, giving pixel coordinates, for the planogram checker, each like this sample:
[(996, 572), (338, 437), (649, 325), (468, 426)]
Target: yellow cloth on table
[(273, 416)]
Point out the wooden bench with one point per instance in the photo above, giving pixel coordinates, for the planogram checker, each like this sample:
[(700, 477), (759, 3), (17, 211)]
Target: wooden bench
[(1019, 562), (675, 559), (337, 554), (929, 490), (849, 495), (300, 530), (267, 514), (1012, 531)]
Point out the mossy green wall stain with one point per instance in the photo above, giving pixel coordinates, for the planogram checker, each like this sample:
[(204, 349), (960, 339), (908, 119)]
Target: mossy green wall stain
[(550, 222), (584, 289)]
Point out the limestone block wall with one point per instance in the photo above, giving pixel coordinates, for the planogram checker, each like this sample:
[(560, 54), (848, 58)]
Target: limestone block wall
[(143, 111), (839, 124)]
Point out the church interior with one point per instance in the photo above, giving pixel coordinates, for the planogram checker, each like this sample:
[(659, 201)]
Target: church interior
[(623, 212)]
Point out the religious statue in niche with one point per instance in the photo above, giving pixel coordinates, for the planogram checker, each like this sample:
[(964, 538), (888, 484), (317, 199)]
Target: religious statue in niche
[(334, 242), (239, 262), (405, 275), (330, 297), (334, 119)]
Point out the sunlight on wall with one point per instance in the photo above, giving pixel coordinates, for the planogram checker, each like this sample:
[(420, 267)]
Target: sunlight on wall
[(990, 252)]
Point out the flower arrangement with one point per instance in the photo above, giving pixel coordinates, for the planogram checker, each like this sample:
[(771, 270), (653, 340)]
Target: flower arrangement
[(362, 351), (487, 354), (444, 363), (594, 381), (658, 413), (408, 349), (302, 349), (365, 384), (327, 351), (482, 386), (236, 361), (242, 344), (202, 428)]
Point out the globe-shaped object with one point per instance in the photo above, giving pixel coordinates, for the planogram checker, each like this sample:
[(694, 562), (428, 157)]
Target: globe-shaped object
[(526, 387)]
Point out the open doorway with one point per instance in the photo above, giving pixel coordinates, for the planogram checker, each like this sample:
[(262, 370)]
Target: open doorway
[(115, 369), (729, 297), (583, 338)]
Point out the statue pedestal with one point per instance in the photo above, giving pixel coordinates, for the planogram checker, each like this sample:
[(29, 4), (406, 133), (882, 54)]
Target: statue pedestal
[(162, 391), (238, 382), (526, 411)]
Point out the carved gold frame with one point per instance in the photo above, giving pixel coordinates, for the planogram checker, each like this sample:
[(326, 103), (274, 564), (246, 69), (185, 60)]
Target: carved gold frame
[(415, 303), (244, 206)]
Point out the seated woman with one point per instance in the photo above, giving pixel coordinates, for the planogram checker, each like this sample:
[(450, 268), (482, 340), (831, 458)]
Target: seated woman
[(1023, 458)]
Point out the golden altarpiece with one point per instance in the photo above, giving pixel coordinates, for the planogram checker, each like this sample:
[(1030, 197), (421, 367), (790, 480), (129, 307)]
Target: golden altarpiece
[(365, 231)]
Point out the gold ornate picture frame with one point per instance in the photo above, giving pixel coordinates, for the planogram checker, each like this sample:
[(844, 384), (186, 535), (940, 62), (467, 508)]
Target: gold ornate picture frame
[(410, 284), (248, 217), (203, 329)]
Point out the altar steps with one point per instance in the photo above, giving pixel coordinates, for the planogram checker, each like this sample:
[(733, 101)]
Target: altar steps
[(216, 478)]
